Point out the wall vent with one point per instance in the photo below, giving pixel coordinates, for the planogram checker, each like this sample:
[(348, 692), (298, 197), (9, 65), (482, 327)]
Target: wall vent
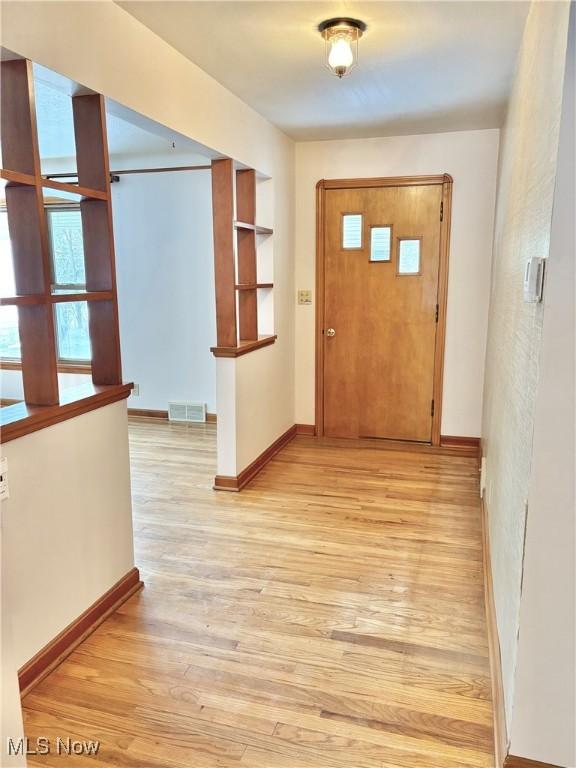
[(182, 411)]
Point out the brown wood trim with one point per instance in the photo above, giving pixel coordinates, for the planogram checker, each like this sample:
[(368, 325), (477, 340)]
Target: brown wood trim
[(391, 181), (499, 715), (144, 413), (16, 365), (243, 347), (148, 414), (5, 401), (252, 286), (457, 441), (22, 419), (59, 298), (253, 228), (438, 385), (93, 194), (229, 483), (66, 641), (15, 177), (224, 253), (524, 762), (319, 365), (394, 181), (306, 429), (22, 301)]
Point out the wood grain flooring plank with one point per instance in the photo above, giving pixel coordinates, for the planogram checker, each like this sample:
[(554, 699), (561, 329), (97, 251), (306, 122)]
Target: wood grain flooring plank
[(329, 616)]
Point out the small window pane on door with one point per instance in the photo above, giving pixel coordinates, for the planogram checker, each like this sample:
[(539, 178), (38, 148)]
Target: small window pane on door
[(352, 230), (380, 239), (409, 257)]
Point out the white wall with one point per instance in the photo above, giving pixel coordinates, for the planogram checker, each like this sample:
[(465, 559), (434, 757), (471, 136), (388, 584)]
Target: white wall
[(544, 714), (106, 49), (68, 521), (471, 158), (523, 215), (12, 388), (165, 273)]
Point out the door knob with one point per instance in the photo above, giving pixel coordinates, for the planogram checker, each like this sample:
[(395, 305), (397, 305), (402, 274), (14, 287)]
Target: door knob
[(330, 332)]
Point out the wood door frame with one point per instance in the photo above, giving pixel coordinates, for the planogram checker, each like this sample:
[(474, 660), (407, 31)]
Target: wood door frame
[(446, 181)]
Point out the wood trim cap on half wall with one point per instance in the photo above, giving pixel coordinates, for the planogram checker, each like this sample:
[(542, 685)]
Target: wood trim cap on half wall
[(524, 762), (66, 641), (231, 483)]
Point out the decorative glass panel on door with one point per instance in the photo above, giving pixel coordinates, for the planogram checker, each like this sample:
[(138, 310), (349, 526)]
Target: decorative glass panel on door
[(409, 256), (380, 241), (352, 231)]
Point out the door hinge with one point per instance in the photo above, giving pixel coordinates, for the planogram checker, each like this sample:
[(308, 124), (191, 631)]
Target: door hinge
[(442, 211), (437, 311), (432, 409)]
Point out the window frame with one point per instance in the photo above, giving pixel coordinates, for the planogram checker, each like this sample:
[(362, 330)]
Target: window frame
[(420, 238), (63, 364), (382, 261), (362, 233)]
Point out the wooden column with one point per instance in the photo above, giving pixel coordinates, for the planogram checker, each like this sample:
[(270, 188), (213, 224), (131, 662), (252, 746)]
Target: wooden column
[(28, 233), (246, 243), (94, 172), (224, 266)]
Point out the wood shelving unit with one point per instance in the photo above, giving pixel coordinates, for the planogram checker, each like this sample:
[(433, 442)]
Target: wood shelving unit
[(27, 225), (235, 254)]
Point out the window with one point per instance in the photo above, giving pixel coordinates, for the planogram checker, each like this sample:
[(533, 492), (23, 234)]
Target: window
[(409, 256), (352, 230), (380, 241), (68, 276), (72, 335), (67, 250)]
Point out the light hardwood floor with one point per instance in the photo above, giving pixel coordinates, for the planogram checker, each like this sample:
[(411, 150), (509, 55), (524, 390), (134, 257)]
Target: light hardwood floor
[(331, 615)]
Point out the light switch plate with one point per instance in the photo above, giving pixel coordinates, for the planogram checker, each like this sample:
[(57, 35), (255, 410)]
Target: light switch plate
[(304, 297), (4, 491)]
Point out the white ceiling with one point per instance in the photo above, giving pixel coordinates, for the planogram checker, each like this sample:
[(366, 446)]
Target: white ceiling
[(129, 135), (423, 66)]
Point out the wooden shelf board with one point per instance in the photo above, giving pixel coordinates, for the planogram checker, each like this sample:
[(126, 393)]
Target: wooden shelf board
[(55, 298), (252, 286), (21, 301), (76, 189), (21, 419), (253, 228), (244, 347), (15, 177), (60, 298)]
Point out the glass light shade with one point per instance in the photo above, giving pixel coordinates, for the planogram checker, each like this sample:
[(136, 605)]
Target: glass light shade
[(341, 37), (340, 56)]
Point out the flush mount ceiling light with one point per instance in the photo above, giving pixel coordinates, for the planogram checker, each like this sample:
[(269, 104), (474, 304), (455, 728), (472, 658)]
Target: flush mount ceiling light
[(341, 36)]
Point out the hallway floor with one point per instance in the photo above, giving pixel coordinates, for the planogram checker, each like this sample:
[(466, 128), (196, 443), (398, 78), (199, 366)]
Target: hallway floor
[(331, 615)]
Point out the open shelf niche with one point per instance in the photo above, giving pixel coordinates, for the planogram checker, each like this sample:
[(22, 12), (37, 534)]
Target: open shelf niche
[(24, 190), (236, 241)]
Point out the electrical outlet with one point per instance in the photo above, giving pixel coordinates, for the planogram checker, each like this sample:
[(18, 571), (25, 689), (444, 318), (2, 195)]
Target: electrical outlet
[(4, 490), (304, 297), (136, 390)]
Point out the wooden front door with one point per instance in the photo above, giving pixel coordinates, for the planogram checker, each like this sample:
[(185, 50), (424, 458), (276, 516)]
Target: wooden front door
[(380, 310)]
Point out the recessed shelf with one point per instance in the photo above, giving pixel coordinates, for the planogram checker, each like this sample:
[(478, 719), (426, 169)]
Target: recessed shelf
[(243, 347), (253, 286), (253, 228), (75, 189)]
